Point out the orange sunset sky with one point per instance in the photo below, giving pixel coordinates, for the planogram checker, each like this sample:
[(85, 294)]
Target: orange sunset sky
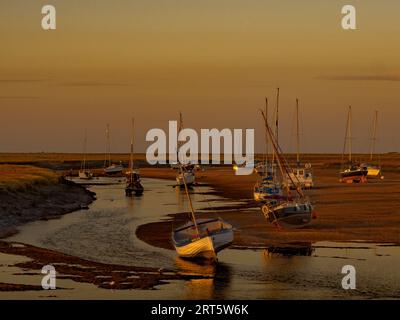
[(213, 60)]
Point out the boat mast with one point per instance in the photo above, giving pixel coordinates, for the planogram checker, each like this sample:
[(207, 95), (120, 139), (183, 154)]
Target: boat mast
[(180, 128), (277, 118), (266, 133), (350, 146), (282, 163), (190, 201), (83, 165), (131, 156), (276, 128), (373, 139), (298, 132), (107, 154)]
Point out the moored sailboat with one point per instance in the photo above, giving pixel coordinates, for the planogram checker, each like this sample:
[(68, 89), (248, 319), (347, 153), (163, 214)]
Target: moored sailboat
[(355, 172), (133, 181), (109, 167), (374, 169), (269, 189), (301, 174), (290, 211)]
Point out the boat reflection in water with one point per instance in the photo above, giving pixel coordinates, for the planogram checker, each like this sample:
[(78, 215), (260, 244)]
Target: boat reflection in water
[(291, 249), (210, 280)]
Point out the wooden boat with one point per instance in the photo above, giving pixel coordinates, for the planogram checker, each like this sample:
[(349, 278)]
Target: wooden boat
[(133, 181), (109, 167), (290, 211), (202, 238), (353, 171), (213, 235), (85, 173)]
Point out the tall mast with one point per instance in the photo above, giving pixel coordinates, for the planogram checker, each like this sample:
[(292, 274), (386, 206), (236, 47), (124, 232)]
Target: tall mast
[(350, 146), (180, 128), (132, 142), (266, 133), (373, 140), (107, 156), (277, 116), (298, 131), (190, 201), (83, 166)]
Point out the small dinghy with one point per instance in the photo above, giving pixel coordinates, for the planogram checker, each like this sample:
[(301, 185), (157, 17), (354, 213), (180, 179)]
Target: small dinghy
[(202, 238)]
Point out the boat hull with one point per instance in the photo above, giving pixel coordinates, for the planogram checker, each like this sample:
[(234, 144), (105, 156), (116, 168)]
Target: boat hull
[(293, 216), (114, 169), (373, 172), (215, 235), (356, 176)]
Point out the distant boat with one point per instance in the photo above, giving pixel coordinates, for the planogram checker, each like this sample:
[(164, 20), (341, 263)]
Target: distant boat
[(133, 181), (374, 170), (355, 172), (202, 238), (109, 167), (289, 211), (85, 173), (301, 174), (186, 173)]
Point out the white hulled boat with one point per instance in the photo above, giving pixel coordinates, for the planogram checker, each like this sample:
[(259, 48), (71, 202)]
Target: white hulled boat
[(202, 238)]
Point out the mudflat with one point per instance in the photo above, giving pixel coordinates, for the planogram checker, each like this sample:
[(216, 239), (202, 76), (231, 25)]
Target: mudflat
[(345, 212)]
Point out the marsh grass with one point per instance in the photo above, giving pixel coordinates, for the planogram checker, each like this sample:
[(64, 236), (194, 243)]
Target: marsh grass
[(24, 177)]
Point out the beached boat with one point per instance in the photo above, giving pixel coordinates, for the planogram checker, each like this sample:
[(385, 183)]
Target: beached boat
[(186, 175), (85, 173), (352, 172), (289, 211), (109, 167), (269, 189), (202, 238), (204, 241), (133, 181), (374, 169)]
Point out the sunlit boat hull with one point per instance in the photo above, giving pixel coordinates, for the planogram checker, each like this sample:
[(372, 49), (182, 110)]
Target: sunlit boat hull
[(187, 245), (373, 171)]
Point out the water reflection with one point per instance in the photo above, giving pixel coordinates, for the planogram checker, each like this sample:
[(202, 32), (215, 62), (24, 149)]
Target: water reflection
[(214, 283), (288, 250)]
